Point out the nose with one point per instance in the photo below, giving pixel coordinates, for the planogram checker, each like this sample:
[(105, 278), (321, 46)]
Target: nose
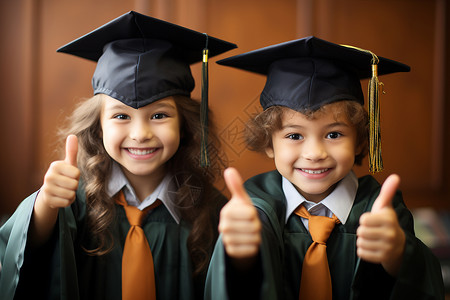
[(140, 131), (314, 150)]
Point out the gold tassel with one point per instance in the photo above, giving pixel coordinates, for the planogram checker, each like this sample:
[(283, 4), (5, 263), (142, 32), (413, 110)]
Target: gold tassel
[(204, 158), (375, 158)]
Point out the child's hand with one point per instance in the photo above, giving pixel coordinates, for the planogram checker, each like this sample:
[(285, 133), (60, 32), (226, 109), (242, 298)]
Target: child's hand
[(58, 190), (380, 237), (61, 179), (239, 221)]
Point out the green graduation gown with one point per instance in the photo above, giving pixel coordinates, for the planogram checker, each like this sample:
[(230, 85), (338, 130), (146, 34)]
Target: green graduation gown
[(63, 270), (284, 245)]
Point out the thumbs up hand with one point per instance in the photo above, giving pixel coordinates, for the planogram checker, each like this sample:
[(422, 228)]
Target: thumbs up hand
[(380, 239), (58, 190), (239, 221), (61, 179)]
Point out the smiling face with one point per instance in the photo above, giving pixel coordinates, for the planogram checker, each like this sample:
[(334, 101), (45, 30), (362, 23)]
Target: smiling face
[(141, 140), (314, 153)]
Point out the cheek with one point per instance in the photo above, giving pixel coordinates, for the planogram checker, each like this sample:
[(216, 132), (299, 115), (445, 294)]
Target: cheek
[(111, 138), (285, 153), (347, 155), (171, 137)]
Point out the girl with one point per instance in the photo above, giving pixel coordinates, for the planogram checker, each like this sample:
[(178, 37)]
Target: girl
[(132, 149), (311, 229)]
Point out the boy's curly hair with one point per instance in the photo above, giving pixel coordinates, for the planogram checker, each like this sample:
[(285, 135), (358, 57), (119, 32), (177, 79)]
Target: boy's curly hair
[(259, 129)]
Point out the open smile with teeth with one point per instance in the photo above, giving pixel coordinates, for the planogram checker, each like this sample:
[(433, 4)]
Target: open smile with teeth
[(135, 151), (314, 171)]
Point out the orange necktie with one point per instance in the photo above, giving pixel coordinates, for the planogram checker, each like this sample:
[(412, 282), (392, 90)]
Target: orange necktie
[(316, 279), (138, 275)]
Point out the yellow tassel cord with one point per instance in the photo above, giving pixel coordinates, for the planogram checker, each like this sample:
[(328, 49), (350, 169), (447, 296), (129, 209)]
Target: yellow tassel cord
[(204, 159), (375, 158)]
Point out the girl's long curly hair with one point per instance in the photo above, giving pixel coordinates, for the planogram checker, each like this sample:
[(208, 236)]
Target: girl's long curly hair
[(259, 129), (196, 198)]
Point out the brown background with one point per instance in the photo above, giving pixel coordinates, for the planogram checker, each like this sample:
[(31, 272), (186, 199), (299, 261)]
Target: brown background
[(38, 87)]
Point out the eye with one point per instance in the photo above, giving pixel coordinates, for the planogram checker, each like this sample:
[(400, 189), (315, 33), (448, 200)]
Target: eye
[(294, 136), (121, 117), (159, 116), (333, 135)]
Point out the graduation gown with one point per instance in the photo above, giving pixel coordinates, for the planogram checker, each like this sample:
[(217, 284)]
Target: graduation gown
[(63, 270), (284, 245)]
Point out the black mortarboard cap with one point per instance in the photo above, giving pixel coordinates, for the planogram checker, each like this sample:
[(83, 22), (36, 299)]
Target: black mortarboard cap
[(307, 73), (310, 72), (141, 59)]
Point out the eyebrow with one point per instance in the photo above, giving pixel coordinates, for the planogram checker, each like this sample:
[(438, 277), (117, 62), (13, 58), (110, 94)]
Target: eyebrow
[(337, 124), (331, 125), (121, 106), (159, 105), (115, 106), (292, 126)]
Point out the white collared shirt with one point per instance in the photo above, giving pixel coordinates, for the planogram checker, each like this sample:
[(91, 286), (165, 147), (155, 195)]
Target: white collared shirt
[(165, 191), (339, 202)]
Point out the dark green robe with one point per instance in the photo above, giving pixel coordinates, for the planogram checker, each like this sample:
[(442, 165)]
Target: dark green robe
[(284, 245), (62, 269)]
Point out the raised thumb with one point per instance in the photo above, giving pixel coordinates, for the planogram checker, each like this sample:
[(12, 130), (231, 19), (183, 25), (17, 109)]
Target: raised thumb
[(387, 193), (71, 150), (235, 185)]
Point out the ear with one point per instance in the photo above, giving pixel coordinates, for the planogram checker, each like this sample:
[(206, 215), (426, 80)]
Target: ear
[(358, 149), (269, 152)]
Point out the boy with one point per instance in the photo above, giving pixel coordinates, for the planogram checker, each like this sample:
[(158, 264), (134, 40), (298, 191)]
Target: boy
[(315, 128)]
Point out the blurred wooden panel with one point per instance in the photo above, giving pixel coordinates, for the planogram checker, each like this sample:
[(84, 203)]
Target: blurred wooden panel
[(18, 89)]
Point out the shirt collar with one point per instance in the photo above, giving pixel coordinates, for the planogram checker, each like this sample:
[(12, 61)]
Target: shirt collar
[(339, 202), (165, 191)]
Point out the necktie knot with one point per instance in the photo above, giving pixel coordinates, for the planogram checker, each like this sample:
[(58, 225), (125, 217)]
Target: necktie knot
[(321, 227), (134, 215)]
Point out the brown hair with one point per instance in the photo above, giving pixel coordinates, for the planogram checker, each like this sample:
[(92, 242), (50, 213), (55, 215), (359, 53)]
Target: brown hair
[(196, 198), (259, 129)]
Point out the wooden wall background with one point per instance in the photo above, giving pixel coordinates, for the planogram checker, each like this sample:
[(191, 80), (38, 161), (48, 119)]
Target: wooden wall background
[(38, 87)]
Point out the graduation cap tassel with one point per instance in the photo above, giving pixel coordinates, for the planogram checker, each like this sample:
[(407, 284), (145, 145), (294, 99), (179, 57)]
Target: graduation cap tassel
[(204, 159), (375, 158)]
